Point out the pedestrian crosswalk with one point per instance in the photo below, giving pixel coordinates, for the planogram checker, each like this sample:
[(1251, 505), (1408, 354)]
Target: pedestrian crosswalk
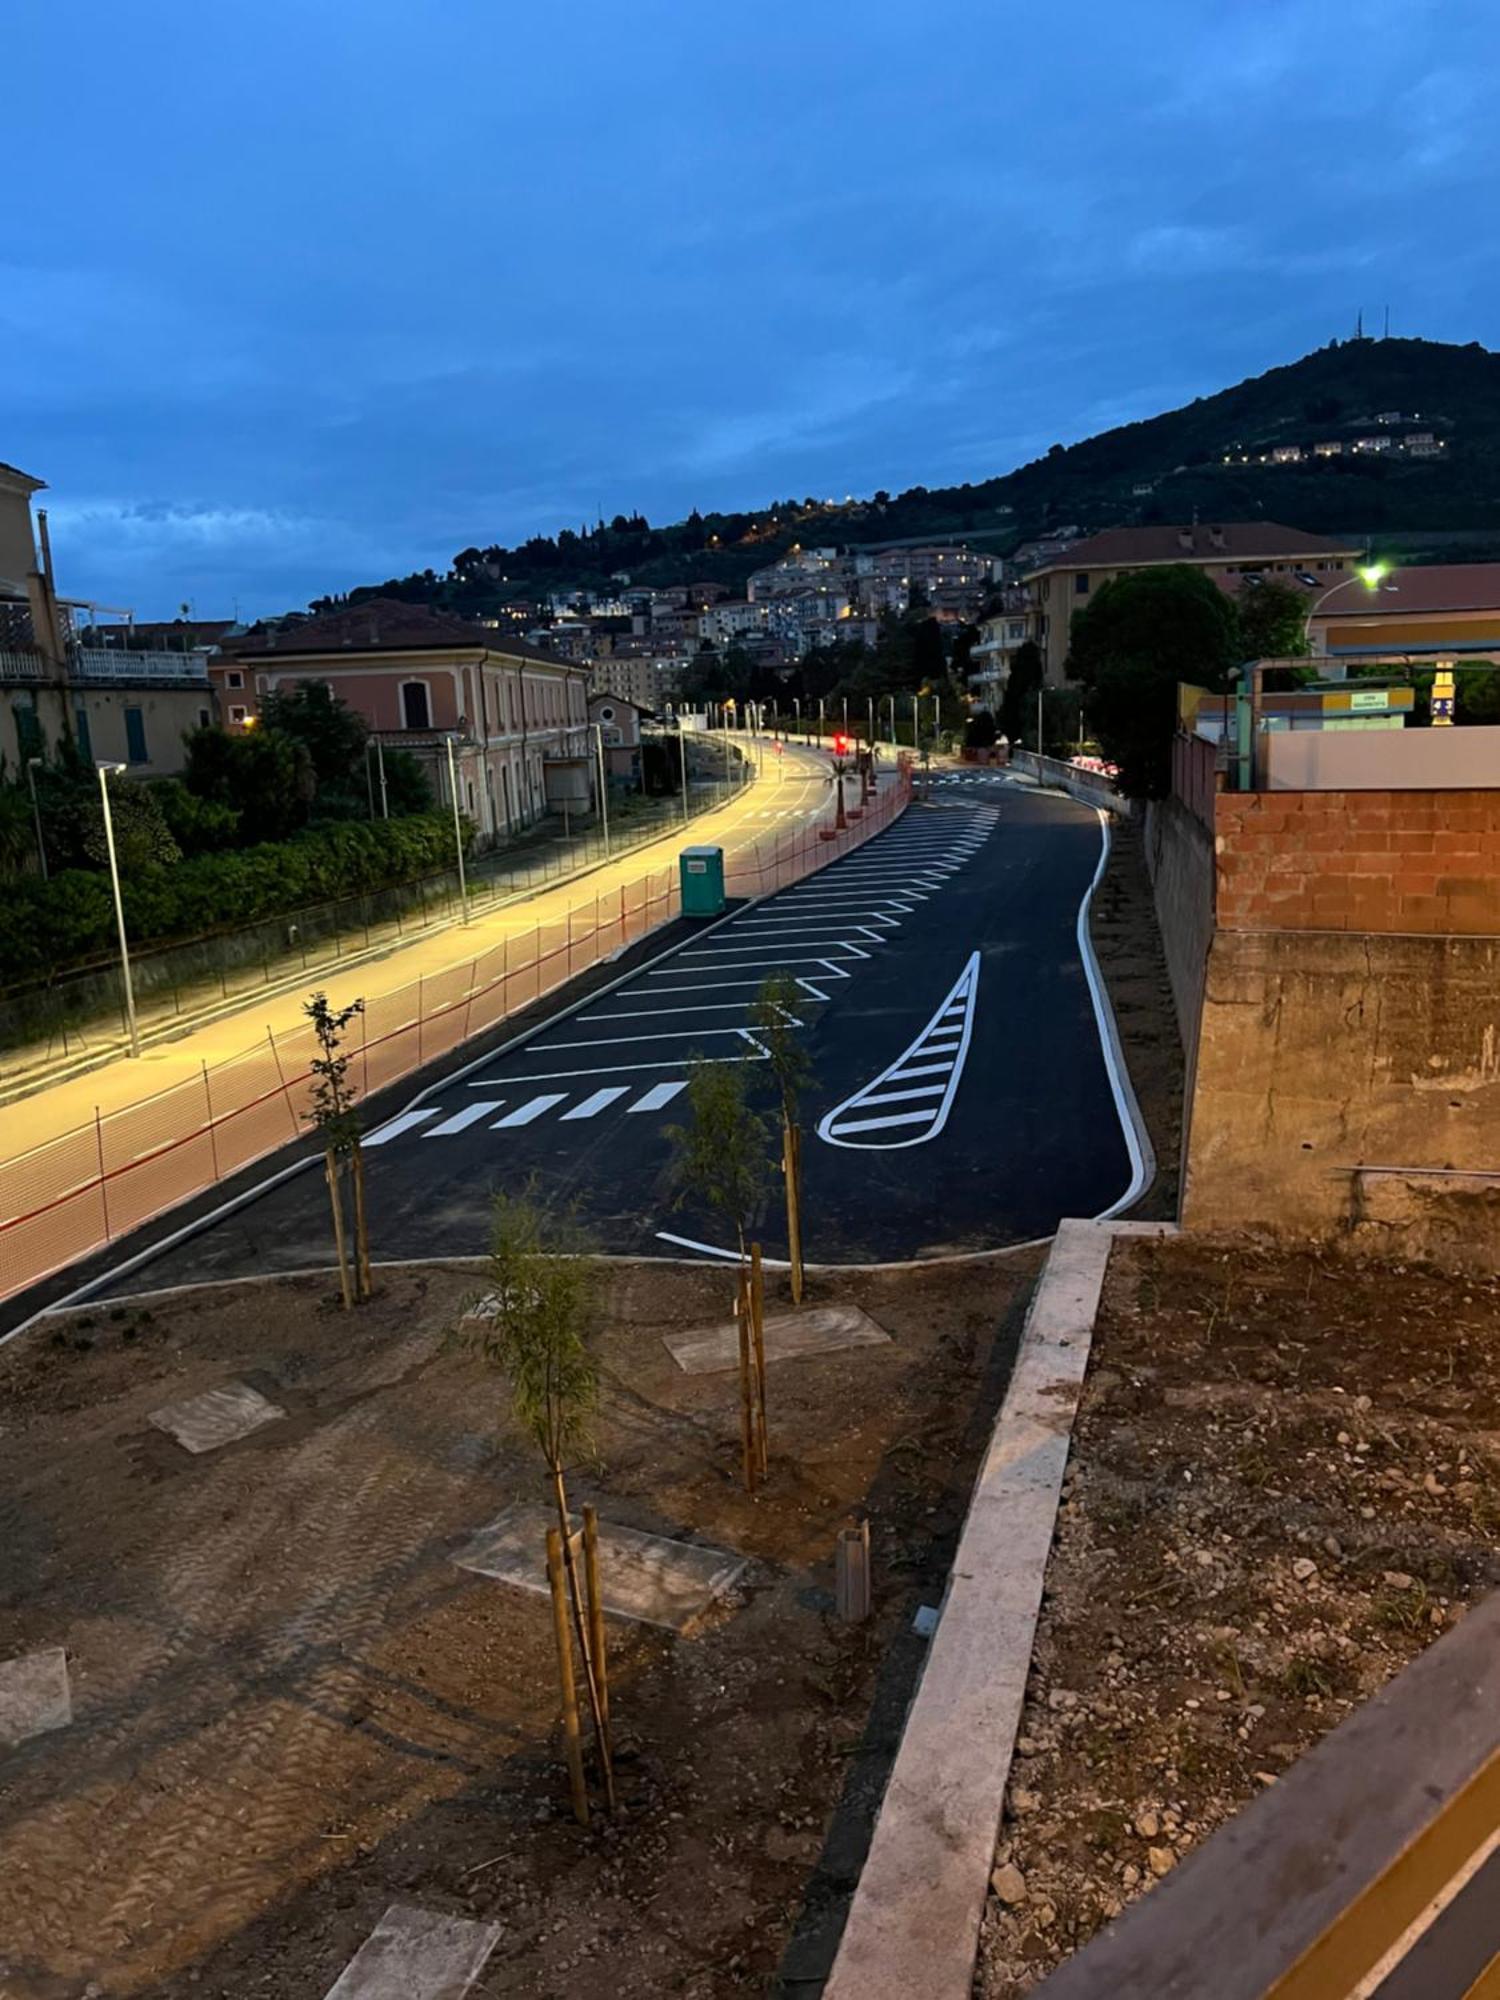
[(527, 1112), (908, 1103)]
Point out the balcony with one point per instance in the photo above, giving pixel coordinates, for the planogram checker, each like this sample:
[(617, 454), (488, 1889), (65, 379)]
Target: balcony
[(17, 665), (99, 666)]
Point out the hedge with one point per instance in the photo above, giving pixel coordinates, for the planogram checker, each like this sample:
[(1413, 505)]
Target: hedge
[(69, 921)]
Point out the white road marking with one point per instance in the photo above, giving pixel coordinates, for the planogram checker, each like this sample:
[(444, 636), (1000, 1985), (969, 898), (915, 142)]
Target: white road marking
[(625, 1041), (656, 1013), (461, 1120), (525, 1113), (594, 1104), (400, 1124), (839, 1126), (884, 1124), (925, 1069), (901, 1096), (658, 1095)]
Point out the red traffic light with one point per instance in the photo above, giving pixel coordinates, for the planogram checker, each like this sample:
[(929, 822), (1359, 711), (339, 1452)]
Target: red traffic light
[(841, 746)]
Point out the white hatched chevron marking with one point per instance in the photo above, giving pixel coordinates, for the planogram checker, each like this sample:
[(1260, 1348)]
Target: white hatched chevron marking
[(945, 1040)]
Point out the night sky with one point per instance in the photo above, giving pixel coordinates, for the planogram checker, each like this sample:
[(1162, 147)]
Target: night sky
[(297, 296)]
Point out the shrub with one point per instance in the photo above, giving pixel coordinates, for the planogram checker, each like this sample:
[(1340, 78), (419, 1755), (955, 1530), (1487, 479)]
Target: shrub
[(69, 921)]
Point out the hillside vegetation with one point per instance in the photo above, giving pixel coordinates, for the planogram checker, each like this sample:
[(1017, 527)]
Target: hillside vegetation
[(1333, 393)]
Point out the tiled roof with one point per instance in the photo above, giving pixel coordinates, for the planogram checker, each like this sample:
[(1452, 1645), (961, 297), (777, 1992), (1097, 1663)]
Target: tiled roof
[(386, 625), (1228, 541), (1412, 592)]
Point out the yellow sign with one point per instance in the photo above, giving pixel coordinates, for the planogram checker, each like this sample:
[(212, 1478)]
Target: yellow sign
[(1442, 698)]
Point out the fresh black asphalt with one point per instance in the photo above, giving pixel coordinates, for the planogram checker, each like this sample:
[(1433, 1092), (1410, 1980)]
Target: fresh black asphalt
[(960, 1101)]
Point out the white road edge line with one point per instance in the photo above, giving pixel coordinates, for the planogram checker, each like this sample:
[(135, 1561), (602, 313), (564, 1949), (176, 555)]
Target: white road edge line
[(1127, 1107)]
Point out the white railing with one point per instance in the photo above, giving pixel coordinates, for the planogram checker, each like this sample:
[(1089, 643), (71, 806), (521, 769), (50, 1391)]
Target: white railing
[(16, 666), (99, 663)]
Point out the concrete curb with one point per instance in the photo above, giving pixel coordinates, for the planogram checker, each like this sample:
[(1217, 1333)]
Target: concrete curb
[(913, 1924)]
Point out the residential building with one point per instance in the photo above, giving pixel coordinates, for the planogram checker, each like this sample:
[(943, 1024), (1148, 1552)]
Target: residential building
[(1227, 553), (729, 620), (129, 704), (1423, 444), (797, 569), (1001, 637), (619, 724), (631, 677), (1444, 609), (1329, 448), (1376, 441), (928, 567), (516, 715)]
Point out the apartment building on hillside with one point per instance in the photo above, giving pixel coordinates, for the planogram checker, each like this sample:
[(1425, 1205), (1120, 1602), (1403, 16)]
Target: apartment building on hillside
[(1064, 584)]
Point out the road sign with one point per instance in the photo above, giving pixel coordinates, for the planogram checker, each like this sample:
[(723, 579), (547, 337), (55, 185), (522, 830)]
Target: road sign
[(1443, 696)]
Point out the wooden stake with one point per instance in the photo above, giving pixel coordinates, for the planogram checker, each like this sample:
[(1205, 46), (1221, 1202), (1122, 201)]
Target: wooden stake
[(559, 1586), (336, 1197), (747, 1404), (596, 1617), (791, 1161), (365, 1286), (570, 1540), (758, 1331)]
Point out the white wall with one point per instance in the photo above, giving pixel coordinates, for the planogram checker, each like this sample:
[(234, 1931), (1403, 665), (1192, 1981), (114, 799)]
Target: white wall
[(1380, 760)]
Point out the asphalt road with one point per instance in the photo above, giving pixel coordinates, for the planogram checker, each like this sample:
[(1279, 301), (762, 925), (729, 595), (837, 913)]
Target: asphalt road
[(962, 1097)]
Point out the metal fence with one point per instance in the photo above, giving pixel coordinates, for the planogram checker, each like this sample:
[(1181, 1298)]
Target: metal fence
[(88, 1187), (194, 977)]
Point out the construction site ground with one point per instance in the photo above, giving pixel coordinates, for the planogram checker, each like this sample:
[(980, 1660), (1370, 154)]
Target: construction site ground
[(1284, 1483), (291, 1708)]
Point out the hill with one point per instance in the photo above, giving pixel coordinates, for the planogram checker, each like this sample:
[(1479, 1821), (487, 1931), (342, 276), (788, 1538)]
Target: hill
[(1212, 455)]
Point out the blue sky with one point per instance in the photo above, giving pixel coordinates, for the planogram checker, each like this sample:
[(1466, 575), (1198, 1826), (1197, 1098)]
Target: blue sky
[(297, 296)]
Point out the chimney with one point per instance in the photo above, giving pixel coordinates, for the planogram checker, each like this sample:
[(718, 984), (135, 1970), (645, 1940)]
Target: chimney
[(1216, 538), (1185, 539)]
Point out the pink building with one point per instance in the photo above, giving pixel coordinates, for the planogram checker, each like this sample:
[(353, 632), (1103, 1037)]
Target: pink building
[(518, 715)]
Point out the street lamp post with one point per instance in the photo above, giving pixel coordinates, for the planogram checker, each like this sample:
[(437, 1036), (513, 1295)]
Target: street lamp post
[(106, 771), (682, 753), (820, 722), (603, 788), (797, 708), (458, 835), (33, 765), (892, 700)]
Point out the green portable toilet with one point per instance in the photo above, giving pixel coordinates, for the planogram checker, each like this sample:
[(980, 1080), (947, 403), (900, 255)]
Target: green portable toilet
[(702, 881)]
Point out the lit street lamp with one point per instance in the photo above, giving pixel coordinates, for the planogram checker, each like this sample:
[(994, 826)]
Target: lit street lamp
[(106, 771), (1371, 575), (458, 835)]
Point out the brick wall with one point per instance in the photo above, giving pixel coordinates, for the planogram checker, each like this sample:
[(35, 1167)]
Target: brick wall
[(1413, 863)]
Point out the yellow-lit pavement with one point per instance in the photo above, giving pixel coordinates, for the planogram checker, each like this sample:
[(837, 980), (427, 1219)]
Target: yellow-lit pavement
[(791, 793)]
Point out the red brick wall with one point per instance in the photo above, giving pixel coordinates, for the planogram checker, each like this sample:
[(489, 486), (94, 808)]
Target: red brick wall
[(1413, 862)]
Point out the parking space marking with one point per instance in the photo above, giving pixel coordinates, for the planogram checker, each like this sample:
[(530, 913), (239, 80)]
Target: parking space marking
[(403, 1123), (524, 1114)]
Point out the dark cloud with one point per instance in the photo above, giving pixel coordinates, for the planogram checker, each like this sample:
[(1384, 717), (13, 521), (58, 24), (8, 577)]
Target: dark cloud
[(302, 297)]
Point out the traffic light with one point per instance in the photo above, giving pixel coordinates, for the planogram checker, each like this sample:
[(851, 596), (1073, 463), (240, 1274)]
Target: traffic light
[(841, 746)]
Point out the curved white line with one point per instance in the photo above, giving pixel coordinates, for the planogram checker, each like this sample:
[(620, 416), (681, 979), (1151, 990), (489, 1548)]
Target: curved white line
[(959, 1055), (1127, 1109)]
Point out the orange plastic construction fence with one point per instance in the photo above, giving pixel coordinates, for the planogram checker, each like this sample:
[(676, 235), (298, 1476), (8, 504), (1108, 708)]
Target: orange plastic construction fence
[(88, 1187)]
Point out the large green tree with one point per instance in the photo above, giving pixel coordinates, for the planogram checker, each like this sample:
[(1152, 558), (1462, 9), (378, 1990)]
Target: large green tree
[(1142, 634), (333, 736), (1272, 621), (266, 777), (1018, 701)]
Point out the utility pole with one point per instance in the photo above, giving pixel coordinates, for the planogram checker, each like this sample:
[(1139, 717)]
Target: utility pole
[(105, 773)]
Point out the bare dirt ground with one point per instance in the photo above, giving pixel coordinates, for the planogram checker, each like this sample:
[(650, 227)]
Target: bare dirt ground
[(1284, 1482), (292, 1709)]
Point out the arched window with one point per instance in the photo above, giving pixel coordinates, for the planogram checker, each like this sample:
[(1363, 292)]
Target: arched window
[(415, 712)]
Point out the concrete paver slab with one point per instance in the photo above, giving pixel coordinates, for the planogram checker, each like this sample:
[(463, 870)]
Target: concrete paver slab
[(715, 1350), (34, 1695), (646, 1577), (217, 1417), (417, 1955)]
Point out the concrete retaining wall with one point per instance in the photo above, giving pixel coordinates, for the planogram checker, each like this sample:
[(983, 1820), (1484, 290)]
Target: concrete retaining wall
[(1180, 862), (1348, 1089), (1085, 785)]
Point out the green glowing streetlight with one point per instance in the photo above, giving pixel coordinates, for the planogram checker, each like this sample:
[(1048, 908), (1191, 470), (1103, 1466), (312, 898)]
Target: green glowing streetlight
[(1372, 575)]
